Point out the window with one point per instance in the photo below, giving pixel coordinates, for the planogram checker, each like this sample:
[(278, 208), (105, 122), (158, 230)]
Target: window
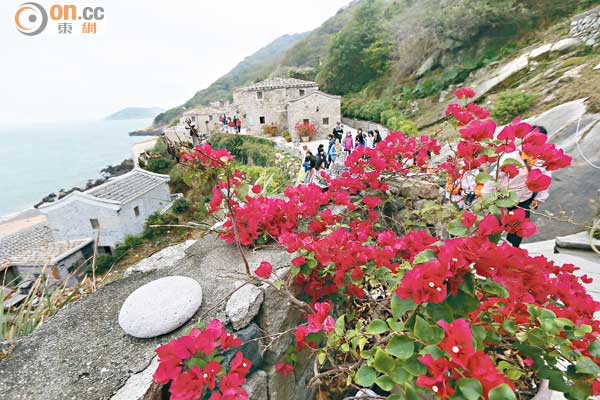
[(302, 92), (210, 117), (326, 121), (95, 224), (259, 95), (306, 121), (262, 120), (193, 117), (136, 211)]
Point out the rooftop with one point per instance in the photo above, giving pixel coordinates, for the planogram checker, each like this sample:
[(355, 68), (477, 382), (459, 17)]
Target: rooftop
[(202, 111), (127, 187), (316, 93), (279, 83)]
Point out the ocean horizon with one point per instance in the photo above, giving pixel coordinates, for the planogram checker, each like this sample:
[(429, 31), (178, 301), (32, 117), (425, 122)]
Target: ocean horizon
[(37, 159)]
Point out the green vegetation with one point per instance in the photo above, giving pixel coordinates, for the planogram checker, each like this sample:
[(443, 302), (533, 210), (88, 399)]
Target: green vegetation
[(246, 149), (160, 161), (511, 104)]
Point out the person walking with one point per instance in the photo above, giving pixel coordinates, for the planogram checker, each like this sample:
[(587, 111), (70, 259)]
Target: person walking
[(338, 132), (377, 137), (348, 143), (230, 125), (528, 200), (371, 140), (359, 140), (238, 125), (331, 151), (224, 122)]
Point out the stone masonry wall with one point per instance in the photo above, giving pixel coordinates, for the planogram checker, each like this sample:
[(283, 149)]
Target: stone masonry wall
[(316, 108), (81, 352), (586, 26)]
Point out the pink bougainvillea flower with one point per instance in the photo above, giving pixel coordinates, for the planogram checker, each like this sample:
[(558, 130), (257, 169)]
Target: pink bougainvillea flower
[(216, 200), (240, 365), (371, 201), (437, 382), (464, 93), (516, 222), (256, 189), (510, 170), (478, 111), (537, 181), (468, 219), (228, 340), (264, 270), (187, 386), (458, 341), (284, 368), (209, 374), (479, 130), (425, 283)]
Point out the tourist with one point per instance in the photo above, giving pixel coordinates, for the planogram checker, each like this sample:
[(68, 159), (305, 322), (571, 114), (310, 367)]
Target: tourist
[(230, 125), (321, 154), (224, 121), (359, 140), (332, 151), (307, 166), (348, 143), (338, 132), (234, 120), (319, 175), (528, 200), (238, 125), (371, 140), (461, 192), (377, 137)]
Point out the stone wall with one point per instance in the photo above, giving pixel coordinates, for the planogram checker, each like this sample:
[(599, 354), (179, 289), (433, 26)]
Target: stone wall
[(272, 106), (365, 125), (320, 109), (81, 352), (586, 26)]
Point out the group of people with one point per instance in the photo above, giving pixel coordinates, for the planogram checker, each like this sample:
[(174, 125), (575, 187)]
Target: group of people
[(231, 125), (370, 139), (464, 190)]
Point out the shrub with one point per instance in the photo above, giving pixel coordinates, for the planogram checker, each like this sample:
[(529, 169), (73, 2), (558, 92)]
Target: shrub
[(245, 148), (159, 219), (286, 135), (180, 206), (160, 165), (270, 130), (176, 181), (511, 104), (395, 121), (103, 263)]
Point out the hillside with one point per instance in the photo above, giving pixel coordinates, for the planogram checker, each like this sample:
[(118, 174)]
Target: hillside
[(135, 113), (254, 67)]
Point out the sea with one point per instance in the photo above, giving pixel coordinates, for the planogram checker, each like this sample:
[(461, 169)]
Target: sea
[(41, 158)]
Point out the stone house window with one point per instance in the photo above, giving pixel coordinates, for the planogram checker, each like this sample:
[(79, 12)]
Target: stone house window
[(193, 117), (302, 92), (262, 120), (210, 118), (326, 121), (306, 121), (95, 224), (259, 95), (136, 211)]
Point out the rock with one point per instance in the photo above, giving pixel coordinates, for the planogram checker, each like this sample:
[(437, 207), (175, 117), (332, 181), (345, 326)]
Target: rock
[(243, 305), (365, 392), (559, 117), (426, 66), (565, 44), (138, 384), (579, 240), (416, 187), (251, 348), (166, 258), (160, 306), (256, 386), (540, 51), (590, 42), (597, 67), (504, 73)]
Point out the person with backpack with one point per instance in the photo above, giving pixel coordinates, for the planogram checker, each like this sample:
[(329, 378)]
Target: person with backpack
[(338, 132)]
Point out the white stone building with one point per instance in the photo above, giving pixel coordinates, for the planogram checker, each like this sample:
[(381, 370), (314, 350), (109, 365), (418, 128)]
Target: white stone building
[(320, 109), (115, 209), (205, 119)]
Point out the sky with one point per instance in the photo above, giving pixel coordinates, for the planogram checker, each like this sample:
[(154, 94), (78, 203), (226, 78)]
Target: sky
[(143, 54)]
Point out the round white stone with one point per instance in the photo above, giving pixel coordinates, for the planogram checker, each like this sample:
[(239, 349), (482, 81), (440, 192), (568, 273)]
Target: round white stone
[(160, 306)]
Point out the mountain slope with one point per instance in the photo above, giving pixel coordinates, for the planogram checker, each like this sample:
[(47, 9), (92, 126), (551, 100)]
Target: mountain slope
[(254, 67)]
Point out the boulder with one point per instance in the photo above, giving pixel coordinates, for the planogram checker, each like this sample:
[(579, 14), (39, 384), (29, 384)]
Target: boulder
[(243, 305), (160, 306), (166, 258), (597, 67), (540, 51), (251, 348), (416, 187), (137, 385), (426, 66), (502, 74), (579, 240), (256, 386), (565, 44)]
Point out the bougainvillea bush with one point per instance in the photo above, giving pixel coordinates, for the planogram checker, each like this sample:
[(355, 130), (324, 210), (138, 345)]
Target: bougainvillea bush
[(452, 313), (305, 129)]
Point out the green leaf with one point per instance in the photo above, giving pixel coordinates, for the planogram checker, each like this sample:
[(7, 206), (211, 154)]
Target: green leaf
[(424, 256), (322, 357), (383, 362), (509, 326), (377, 327), (585, 365), (512, 161), (482, 177), (340, 325), (594, 348), (411, 393), (495, 288), (401, 306), (431, 334), (399, 375), (470, 388), (385, 383), (365, 376), (506, 202), (456, 228), (401, 347), (502, 392)]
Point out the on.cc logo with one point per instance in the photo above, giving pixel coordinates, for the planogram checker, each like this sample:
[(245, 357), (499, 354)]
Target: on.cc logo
[(31, 19)]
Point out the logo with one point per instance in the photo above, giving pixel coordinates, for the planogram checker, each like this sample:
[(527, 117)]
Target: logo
[(31, 19)]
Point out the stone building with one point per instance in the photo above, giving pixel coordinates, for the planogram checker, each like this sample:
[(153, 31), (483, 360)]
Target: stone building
[(115, 209), (205, 119), (24, 254), (320, 109), (266, 102)]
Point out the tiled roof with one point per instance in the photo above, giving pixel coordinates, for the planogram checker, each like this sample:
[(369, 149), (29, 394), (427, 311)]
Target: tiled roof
[(48, 253), (36, 246), (278, 83), (127, 187)]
